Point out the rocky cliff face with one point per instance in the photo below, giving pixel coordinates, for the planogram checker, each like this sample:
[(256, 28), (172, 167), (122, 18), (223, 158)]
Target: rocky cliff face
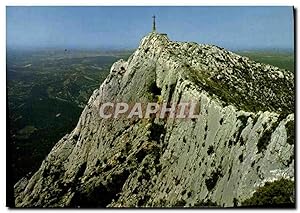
[(242, 138)]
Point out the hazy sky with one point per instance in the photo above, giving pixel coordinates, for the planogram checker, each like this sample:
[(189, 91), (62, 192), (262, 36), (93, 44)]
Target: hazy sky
[(123, 27)]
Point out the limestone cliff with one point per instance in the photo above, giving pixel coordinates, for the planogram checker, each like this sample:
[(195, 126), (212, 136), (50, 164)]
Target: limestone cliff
[(242, 138)]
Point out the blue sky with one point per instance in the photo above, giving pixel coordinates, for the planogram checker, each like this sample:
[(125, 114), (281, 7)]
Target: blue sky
[(123, 27)]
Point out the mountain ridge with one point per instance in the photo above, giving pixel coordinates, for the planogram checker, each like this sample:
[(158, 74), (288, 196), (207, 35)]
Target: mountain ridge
[(243, 126)]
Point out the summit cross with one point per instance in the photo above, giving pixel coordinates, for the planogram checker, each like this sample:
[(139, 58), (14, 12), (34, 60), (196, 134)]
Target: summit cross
[(153, 25)]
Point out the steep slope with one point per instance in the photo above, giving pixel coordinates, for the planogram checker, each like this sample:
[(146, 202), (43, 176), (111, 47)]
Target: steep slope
[(242, 138)]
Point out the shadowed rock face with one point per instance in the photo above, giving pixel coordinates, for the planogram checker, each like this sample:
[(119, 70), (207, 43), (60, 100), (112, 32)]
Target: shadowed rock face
[(240, 140)]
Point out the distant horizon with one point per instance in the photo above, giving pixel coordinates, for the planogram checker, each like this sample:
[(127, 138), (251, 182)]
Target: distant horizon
[(116, 49), (122, 28)]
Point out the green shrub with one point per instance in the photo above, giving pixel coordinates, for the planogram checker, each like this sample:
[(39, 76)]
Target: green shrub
[(154, 91), (156, 130), (210, 150), (273, 194), (264, 140), (290, 130), (213, 179)]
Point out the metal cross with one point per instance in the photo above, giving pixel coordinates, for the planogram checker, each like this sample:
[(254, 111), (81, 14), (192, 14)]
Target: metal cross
[(153, 26)]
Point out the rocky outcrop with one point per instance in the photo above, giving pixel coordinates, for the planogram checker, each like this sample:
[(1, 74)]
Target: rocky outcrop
[(242, 138)]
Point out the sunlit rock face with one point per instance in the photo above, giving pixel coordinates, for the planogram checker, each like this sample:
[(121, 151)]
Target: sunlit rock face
[(241, 139)]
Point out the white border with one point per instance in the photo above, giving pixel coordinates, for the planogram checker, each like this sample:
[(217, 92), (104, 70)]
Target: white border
[(108, 2)]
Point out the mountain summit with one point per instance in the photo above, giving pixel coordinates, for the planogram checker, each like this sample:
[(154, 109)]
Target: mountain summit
[(242, 139)]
